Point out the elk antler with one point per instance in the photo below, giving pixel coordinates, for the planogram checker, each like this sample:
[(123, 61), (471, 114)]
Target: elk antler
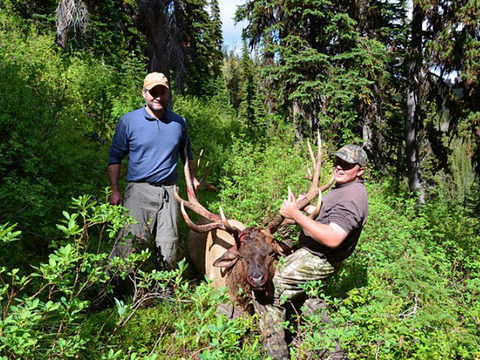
[(315, 190), (217, 222), (203, 182)]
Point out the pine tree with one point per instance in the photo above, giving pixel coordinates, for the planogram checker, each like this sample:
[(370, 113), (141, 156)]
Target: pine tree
[(233, 75), (316, 62), (205, 56), (249, 88)]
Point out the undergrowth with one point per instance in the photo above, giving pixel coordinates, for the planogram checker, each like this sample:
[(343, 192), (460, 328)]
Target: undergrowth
[(409, 291)]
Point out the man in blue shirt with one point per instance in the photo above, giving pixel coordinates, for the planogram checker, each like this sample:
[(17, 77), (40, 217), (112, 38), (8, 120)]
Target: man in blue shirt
[(153, 137)]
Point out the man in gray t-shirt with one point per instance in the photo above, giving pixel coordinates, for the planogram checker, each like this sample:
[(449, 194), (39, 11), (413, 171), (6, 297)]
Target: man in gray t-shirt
[(324, 243)]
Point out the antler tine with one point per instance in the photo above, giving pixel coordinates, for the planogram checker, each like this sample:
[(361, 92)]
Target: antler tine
[(312, 157), (317, 208), (310, 175), (203, 183), (315, 177), (327, 185), (231, 229), (314, 190), (195, 227), (194, 205), (199, 159), (204, 177)]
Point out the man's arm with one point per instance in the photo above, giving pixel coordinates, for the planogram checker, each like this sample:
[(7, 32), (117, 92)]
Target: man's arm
[(113, 176), (331, 235)]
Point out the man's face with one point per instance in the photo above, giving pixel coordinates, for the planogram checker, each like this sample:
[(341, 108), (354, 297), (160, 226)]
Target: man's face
[(345, 172), (156, 99)]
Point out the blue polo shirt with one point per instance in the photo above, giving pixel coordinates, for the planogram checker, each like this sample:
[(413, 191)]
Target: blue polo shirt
[(153, 145)]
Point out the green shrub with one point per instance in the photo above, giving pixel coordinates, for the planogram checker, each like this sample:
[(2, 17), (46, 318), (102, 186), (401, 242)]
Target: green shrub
[(407, 292)]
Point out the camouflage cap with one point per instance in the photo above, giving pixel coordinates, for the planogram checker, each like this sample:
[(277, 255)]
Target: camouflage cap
[(352, 154)]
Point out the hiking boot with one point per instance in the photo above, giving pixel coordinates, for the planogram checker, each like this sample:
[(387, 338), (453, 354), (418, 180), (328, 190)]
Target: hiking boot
[(230, 311), (313, 306), (276, 346)]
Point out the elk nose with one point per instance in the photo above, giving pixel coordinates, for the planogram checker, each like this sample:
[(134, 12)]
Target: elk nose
[(257, 280)]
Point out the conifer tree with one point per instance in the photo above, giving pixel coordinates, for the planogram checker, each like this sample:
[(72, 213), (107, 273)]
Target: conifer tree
[(249, 88), (232, 73), (204, 54), (414, 100), (443, 44), (216, 35), (318, 65)]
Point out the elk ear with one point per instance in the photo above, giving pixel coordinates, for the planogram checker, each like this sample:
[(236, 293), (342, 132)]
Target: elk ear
[(228, 259)]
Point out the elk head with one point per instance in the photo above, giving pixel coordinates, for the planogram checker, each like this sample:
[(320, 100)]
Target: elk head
[(255, 256)]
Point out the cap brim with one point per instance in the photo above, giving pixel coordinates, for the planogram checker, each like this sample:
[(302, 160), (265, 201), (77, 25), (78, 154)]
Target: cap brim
[(346, 158), (151, 86)]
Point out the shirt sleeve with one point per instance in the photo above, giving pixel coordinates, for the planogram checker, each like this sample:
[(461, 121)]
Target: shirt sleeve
[(119, 147), (347, 215)]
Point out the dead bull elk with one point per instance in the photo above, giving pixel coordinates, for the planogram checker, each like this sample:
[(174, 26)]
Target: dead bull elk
[(231, 254)]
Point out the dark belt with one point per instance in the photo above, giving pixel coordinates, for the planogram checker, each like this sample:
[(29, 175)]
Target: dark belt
[(158, 184)]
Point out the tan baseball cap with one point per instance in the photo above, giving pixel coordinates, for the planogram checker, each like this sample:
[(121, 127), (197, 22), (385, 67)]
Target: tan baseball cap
[(153, 79)]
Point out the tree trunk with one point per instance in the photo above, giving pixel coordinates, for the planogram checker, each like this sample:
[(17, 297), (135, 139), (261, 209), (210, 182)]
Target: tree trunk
[(414, 100), (70, 13), (154, 20), (181, 43), (372, 133)]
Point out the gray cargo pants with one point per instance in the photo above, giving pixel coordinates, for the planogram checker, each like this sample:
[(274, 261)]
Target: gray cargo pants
[(296, 269), (156, 210)]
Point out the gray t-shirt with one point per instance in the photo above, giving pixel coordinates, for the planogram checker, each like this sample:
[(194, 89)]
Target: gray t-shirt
[(347, 206)]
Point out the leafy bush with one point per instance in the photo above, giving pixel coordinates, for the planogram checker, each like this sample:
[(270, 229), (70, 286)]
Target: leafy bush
[(257, 176), (57, 113), (409, 288), (41, 311), (44, 314)]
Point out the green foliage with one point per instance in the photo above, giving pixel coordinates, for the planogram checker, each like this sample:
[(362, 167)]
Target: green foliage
[(234, 78), (410, 286), (7, 234), (57, 112), (319, 66), (257, 176), (411, 289), (41, 311), (44, 313)]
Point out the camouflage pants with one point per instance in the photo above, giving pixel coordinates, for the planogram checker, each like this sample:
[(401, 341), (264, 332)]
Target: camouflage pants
[(156, 210), (296, 269)]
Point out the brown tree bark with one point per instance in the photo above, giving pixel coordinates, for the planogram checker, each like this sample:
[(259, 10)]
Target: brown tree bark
[(154, 22), (414, 100), (70, 13)]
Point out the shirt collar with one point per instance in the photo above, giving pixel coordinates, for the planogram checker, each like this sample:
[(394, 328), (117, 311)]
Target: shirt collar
[(337, 186), (153, 118)]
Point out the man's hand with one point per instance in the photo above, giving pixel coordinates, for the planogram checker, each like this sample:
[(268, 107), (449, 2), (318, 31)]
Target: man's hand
[(116, 198), (113, 175), (289, 207), (309, 209)]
